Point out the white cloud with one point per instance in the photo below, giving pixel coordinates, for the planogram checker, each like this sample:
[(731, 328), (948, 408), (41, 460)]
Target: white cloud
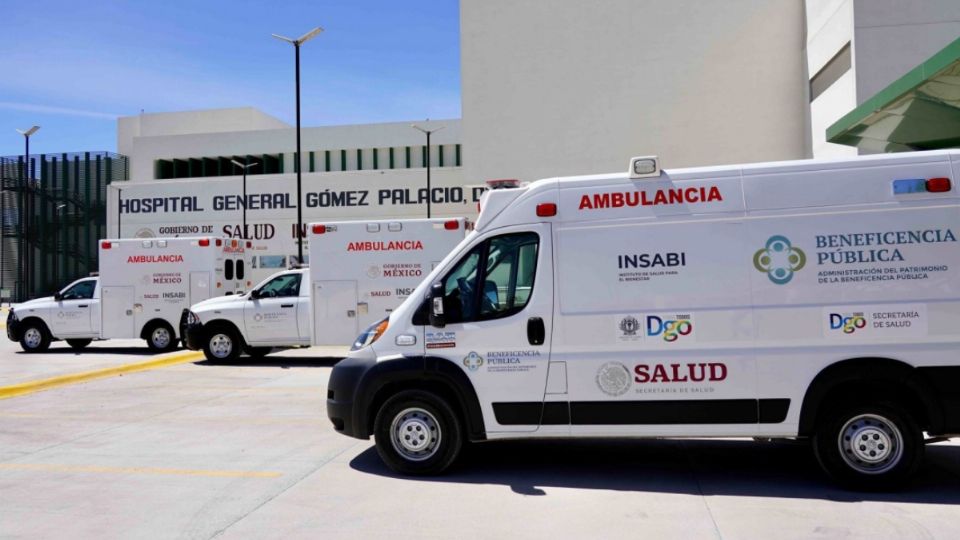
[(47, 109)]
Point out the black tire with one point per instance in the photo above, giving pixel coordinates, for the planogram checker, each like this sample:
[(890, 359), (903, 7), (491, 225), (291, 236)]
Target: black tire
[(432, 424), (160, 337), (257, 352), (34, 337), (79, 344), (222, 344), (891, 452)]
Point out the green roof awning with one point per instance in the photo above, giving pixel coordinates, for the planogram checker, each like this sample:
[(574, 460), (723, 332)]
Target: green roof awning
[(919, 111)]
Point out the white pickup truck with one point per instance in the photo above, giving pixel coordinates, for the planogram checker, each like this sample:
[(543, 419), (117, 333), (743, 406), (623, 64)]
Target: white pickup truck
[(73, 314)]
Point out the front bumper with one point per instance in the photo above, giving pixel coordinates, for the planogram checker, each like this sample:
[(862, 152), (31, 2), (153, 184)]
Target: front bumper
[(343, 405), (191, 333), (13, 327)]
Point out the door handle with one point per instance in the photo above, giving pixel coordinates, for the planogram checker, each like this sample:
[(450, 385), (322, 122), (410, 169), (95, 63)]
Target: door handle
[(286, 305), (536, 332), (82, 305)]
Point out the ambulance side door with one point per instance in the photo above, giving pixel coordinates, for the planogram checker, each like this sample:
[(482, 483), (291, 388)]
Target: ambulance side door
[(272, 318), (498, 300)]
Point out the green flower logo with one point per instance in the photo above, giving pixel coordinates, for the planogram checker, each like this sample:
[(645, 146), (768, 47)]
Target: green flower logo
[(779, 259)]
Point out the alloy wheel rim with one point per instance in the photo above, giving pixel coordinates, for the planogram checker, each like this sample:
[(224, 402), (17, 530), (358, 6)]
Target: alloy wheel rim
[(160, 337), (32, 338), (221, 345)]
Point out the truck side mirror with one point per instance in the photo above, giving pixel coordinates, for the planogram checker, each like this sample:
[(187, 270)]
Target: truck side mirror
[(255, 294), (436, 297), (58, 296)]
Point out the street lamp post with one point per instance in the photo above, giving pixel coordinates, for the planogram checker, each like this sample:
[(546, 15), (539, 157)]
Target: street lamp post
[(244, 166), (24, 263), (299, 164), (427, 132)]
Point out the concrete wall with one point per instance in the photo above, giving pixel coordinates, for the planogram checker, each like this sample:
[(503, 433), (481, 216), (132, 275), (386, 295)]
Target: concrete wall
[(189, 122), (894, 36), (830, 26), (144, 150), (560, 88)]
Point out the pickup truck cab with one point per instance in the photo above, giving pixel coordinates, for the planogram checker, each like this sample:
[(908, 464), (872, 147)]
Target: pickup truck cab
[(72, 314), (275, 313)]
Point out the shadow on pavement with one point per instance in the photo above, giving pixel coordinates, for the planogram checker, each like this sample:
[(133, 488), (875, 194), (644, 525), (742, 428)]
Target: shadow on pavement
[(66, 349), (707, 467), (277, 362)]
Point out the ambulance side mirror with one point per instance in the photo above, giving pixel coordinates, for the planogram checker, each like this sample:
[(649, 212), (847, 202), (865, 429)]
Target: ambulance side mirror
[(437, 317), (58, 296), (255, 294)]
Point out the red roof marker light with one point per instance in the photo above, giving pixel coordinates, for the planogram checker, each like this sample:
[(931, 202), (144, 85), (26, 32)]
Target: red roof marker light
[(105, 245), (451, 225), (319, 229), (938, 185), (546, 209), (204, 242)]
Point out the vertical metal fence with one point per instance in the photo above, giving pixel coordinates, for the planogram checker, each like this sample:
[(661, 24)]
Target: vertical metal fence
[(53, 210)]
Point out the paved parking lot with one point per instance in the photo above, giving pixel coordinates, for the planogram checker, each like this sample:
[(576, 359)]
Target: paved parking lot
[(245, 451)]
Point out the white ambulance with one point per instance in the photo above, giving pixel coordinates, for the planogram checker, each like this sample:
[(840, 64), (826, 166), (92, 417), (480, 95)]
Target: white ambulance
[(362, 270), (810, 299), (143, 287)]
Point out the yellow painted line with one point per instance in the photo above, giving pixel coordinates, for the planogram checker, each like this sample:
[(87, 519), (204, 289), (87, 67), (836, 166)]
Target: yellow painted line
[(50, 467), (30, 387)]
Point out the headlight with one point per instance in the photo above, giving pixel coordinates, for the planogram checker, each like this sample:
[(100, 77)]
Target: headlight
[(371, 334), (192, 318)]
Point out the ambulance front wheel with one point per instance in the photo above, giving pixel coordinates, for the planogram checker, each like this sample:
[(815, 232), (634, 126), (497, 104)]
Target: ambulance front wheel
[(160, 337), (417, 433), (222, 345), (873, 447)]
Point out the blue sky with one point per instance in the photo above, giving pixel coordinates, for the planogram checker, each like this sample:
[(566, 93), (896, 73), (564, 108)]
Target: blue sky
[(73, 67)]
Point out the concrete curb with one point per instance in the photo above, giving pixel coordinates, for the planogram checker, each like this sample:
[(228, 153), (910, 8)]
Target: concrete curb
[(39, 385)]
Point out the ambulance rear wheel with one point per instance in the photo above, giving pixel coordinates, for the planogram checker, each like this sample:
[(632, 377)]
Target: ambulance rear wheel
[(78, 344), (222, 345), (160, 337), (417, 433), (34, 338), (874, 447)]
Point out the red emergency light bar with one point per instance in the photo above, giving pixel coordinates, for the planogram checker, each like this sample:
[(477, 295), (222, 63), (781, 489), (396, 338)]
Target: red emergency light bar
[(503, 183)]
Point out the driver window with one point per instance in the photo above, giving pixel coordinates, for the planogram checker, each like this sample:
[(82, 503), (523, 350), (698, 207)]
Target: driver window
[(508, 280), (506, 266), (80, 291), (285, 285)]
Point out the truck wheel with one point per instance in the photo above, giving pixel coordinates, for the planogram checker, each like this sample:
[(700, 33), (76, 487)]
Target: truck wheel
[(874, 447), (34, 338), (257, 352), (160, 338), (221, 345), (78, 343), (417, 433)]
